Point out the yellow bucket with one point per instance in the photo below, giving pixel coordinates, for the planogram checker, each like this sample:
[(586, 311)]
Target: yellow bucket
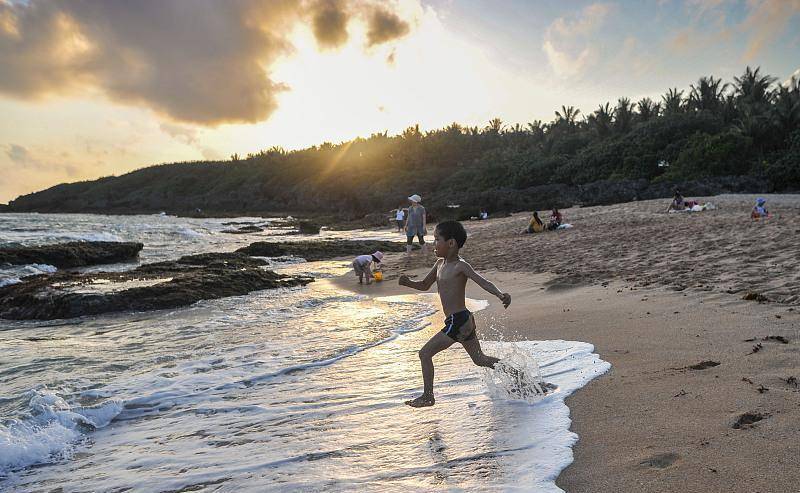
[(378, 275)]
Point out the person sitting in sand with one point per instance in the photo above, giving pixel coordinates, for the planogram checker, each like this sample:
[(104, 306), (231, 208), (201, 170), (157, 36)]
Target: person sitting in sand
[(362, 266), (759, 210), (536, 225), (555, 220), (677, 203), (450, 273)]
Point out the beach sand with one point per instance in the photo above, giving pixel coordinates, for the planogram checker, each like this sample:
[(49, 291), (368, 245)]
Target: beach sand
[(660, 297)]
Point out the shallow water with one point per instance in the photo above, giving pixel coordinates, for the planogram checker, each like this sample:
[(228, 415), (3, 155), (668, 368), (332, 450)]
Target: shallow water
[(290, 389)]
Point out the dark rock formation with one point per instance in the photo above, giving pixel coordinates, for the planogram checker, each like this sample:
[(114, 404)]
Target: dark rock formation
[(231, 260), (319, 249), (244, 230), (308, 228), (72, 254), (182, 282)]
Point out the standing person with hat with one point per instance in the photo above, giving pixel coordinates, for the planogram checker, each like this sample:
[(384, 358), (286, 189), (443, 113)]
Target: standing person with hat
[(416, 222)]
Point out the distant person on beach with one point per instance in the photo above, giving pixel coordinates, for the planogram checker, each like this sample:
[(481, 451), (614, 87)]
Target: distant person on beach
[(536, 225), (484, 214), (450, 273), (362, 266), (759, 210), (400, 218), (555, 219), (677, 203), (416, 222)]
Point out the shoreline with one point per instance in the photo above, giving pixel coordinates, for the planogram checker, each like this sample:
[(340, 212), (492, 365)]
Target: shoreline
[(653, 422)]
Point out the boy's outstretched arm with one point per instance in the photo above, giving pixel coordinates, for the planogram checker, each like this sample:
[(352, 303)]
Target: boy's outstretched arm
[(484, 283), (422, 285)]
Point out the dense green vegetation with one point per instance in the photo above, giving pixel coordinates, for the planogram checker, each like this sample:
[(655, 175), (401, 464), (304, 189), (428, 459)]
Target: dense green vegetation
[(747, 128)]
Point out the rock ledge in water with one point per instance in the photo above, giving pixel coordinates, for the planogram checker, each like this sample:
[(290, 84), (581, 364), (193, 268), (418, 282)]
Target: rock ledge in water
[(178, 283), (72, 254), (320, 249)]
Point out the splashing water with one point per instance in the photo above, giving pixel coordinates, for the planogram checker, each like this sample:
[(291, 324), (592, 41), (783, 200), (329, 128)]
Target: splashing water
[(516, 376)]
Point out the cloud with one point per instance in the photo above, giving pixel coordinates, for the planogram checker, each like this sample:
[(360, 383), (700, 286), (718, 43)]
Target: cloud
[(22, 159), (182, 133), (567, 43), (211, 154), (18, 154), (792, 80), (385, 26), (766, 20), (199, 61), (329, 22)]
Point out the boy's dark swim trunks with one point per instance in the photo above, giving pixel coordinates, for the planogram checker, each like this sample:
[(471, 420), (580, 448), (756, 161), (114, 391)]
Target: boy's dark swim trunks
[(456, 326)]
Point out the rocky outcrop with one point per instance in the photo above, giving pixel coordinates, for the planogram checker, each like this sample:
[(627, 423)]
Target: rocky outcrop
[(243, 230), (320, 249), (171, 285), (308, 227), (72, 254)]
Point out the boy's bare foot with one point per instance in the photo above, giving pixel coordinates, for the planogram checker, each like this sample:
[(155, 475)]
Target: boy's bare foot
[(422, 401)]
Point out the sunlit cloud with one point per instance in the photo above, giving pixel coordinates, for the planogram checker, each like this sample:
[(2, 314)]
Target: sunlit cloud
[(201, 61), (765, 22), (329, 20), (567, 41)]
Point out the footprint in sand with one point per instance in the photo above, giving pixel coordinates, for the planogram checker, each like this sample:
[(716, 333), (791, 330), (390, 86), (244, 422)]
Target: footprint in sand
[(660, 461)]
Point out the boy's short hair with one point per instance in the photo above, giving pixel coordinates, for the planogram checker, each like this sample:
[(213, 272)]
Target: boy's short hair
[(452, 230)]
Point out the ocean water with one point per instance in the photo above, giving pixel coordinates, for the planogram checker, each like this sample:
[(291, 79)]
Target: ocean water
[(297, 389)]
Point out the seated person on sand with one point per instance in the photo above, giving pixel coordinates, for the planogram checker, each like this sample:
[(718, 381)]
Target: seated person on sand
[(555, 220), (536, 225), (759, 210), (677, 203)]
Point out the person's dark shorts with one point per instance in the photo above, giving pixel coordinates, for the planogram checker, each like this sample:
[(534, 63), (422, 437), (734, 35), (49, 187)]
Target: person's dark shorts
[(410, 239), (399, 223), (458, 328)]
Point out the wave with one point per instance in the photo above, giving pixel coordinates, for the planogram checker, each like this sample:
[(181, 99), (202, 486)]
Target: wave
[(52, 430), (101, 236), (15, 274)]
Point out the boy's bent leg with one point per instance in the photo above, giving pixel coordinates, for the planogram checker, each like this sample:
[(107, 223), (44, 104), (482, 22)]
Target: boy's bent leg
[(437, 343), (473, 348)]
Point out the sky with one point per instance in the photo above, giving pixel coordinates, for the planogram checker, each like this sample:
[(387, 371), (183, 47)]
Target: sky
[(96, 88)]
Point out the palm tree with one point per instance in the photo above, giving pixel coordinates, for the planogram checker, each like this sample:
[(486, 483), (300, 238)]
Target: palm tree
[(567, 116), (786, 109), (495, 126), (707, 95), (624, 115), (673, 102), (647, 109), (602, 119), (753, 88)]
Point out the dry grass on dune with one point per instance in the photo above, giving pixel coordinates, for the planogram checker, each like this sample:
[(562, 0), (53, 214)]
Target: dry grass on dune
[(637, 242)]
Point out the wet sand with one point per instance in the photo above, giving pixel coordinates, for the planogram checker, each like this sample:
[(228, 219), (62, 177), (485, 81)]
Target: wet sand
[(703, 392)]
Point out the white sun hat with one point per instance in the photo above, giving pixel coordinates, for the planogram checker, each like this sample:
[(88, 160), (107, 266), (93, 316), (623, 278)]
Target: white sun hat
[(415, 198)]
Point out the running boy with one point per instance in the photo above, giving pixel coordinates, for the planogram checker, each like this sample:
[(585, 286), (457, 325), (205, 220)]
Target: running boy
[(450, 273), (362, 266)]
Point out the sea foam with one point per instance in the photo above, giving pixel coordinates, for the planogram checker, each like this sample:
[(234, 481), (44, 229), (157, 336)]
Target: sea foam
[(51, 431)]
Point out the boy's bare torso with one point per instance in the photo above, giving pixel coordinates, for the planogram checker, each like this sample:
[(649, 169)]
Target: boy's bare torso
[(451, 283)]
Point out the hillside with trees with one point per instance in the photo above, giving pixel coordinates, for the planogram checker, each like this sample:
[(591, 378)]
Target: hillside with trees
[(715, 136)]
